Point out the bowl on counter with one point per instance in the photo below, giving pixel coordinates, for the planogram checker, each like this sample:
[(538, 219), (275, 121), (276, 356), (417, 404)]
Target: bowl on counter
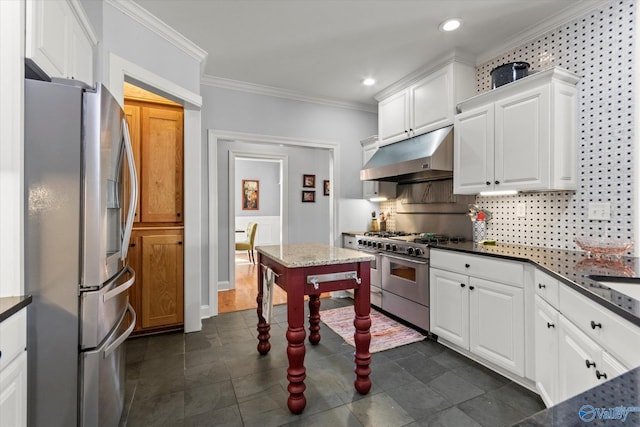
[(603, 246)]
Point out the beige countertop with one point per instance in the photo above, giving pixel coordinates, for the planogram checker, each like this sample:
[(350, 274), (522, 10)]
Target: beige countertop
[(312, 254)]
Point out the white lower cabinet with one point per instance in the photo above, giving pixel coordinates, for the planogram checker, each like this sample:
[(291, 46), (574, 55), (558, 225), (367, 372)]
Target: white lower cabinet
[(479, 315), (13, 370), (546, 350)]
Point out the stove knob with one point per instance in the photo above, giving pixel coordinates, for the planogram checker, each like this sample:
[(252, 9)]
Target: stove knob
[(410, 251), (394, 248), (387, 247), (380, 245), (418, 251), (360, 242)]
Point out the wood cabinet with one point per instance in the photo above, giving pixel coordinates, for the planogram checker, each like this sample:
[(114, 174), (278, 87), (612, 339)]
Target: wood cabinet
[(13, 370), (521, 136), (156, 250), (483, 315), (157, 257), (427, 104), (59, 40)]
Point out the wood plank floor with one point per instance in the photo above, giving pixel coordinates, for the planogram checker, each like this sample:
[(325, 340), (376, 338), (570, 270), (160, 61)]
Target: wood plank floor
[(244, 295)]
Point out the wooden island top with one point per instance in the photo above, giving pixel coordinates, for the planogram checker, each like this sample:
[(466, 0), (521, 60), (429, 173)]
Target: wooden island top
[(311, 269)]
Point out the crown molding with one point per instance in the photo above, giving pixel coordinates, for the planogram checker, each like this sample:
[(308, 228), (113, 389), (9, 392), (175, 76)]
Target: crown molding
[(150, 21), (284, 93), (85, 23), (567, 15), (457, 55)]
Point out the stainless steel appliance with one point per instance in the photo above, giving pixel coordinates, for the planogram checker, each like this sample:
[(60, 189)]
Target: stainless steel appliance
[(80, 193), (404, 271)]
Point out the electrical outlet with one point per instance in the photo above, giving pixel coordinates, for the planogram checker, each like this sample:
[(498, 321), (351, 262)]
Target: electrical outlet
[(521, 210), (599, 212)]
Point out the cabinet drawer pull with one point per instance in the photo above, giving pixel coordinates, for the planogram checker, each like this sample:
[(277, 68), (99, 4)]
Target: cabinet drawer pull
[(488, 182), (550, 325), (601, 374), (497, 182), (180, 243), (471, 287), (178, 214), (541, 286), (467, 266), (590, 364), (595, 325), (462, 285), (132, 245)]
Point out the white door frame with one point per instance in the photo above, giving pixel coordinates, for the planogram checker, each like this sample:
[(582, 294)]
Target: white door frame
[(120, 69), (215, 135), (284, 201)]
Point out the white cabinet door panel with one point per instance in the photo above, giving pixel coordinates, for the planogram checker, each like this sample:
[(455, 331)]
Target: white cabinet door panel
[(13, 393), (393, 116), (497, 323), (428, 115), (46, 37), (546, 350), (449, 311), (473, 153)]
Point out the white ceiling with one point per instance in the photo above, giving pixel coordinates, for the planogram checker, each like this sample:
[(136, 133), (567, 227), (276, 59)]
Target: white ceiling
[(324, 48)]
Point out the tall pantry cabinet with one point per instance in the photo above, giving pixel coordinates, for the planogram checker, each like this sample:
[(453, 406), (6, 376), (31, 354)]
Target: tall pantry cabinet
[(156, 249)]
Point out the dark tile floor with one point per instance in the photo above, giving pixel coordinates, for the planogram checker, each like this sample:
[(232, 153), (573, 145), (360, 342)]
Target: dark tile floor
[(216, 377)]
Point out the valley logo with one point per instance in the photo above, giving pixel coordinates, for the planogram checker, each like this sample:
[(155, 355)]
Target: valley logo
[(588, 413)]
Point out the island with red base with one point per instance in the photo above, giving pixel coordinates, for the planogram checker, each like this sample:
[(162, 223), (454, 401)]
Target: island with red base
[(311, 269)]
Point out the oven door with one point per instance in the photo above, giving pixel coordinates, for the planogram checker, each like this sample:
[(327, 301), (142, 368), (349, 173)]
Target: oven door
[(406, 277)]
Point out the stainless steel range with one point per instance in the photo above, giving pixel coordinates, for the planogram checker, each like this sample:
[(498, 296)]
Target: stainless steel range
[(402, 269)]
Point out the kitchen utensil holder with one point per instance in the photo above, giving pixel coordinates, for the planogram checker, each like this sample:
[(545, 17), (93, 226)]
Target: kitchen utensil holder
[(479, 230)]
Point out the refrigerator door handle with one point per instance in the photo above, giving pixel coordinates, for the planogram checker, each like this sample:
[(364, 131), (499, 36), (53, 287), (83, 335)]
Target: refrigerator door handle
[(133, 199), (118, 341), (122, 288)]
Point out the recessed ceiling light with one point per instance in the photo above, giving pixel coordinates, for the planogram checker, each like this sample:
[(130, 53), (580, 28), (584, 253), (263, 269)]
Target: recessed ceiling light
[(369, 82), (450, 24)]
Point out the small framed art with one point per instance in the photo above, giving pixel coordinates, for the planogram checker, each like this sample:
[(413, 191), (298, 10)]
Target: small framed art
[(309, 181), (326, 187), (309, 196), (250, 194)]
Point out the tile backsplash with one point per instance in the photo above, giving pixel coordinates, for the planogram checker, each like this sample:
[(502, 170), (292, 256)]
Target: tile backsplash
[(599, 48)]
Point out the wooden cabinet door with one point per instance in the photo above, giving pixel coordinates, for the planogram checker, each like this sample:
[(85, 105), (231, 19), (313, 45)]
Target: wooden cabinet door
[(522, 141), (162, 156), (546, 350), (133, 116), (449, 301), (473, 152), (496, 313), (162, 280)]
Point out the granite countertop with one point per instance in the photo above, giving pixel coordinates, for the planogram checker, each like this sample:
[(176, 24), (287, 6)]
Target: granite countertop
[(312, 254), (11, 305), (573, 268)]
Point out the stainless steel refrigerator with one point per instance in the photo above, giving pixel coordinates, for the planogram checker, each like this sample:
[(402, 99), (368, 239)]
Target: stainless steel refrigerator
[(80, 196)]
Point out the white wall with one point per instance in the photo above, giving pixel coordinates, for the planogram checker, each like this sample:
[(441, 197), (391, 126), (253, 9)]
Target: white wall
[(267, 173)]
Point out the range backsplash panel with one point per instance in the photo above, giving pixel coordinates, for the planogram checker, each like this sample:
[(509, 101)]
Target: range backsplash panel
[(599, 48)]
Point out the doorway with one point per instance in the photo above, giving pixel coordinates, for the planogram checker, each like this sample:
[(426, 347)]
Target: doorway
[(261, 177)]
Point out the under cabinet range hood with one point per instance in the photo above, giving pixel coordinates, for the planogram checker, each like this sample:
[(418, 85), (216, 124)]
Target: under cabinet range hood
[(421, 158)]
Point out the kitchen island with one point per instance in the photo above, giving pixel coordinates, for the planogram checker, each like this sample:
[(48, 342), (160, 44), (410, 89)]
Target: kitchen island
[(310, 269)]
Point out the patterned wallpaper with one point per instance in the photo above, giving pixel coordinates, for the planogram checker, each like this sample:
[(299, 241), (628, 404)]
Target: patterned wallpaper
[(599, 48)]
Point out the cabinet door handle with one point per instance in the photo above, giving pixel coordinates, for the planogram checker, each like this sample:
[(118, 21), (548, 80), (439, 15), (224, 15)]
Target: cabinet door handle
[(601, 375), (178, 214), (589, 364), (550, 325), (595, 325), (541, 286), (497, 182), (488, 182), (462, 285), (180, 243), (132, 245), (471, 287), (467, 266)]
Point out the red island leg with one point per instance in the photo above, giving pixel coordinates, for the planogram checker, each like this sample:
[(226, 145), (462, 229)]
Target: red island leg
[(263, 327), (362, 336), (296, 372), (314, 319)]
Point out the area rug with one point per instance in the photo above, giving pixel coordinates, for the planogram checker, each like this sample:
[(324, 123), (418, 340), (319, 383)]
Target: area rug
[(386, 333)]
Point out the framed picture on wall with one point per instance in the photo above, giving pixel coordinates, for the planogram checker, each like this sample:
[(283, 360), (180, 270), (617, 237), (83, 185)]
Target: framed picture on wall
[(309, 181), (250, 194), (326, 187), (309, 196)]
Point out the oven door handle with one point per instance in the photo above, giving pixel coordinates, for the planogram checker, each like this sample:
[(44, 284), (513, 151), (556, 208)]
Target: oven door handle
[(407, 259)]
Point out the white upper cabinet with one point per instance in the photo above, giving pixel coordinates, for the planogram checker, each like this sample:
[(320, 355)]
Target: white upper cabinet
[(59, 40), (426, 104), (521, 136)]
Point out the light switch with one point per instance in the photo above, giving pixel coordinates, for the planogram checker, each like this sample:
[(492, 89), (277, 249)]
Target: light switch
[(521, 210), (599, 211)]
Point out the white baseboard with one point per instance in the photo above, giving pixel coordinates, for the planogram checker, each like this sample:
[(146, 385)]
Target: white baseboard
[(224, 286)]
